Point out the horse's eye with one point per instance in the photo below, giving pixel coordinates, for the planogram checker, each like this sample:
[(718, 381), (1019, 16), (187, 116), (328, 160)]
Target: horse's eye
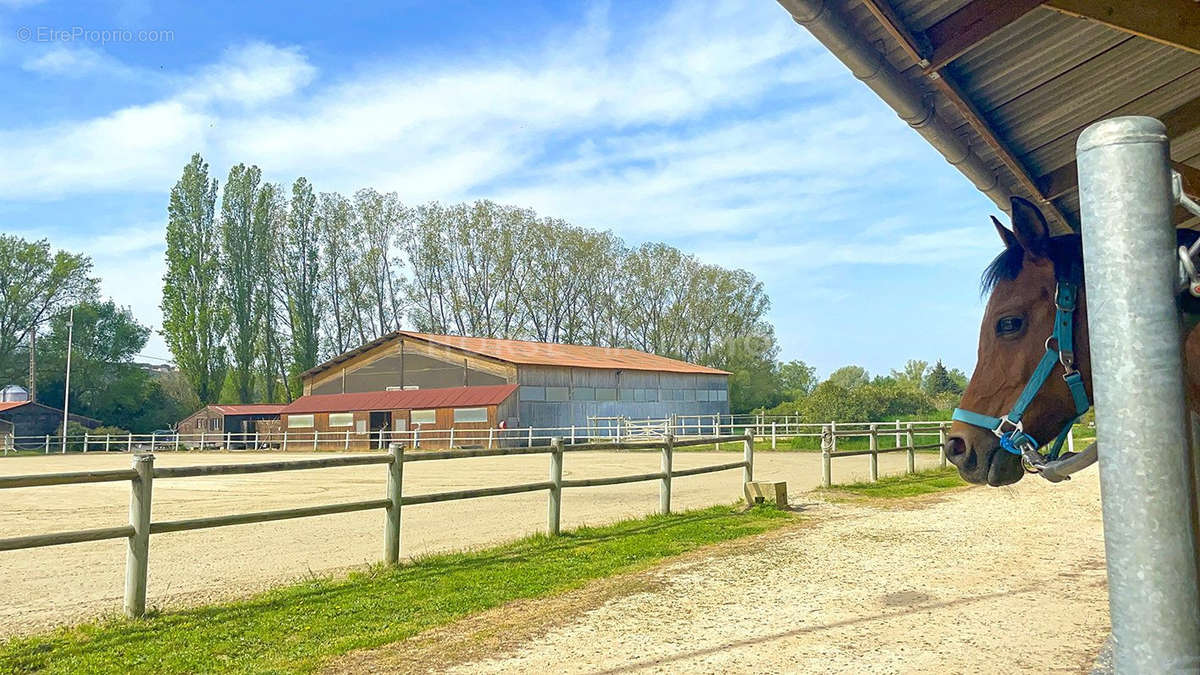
[(1008, 325)]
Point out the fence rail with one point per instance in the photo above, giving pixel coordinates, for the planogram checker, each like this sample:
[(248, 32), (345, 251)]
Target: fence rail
[(831, 432), (625, 432), (143, 474)]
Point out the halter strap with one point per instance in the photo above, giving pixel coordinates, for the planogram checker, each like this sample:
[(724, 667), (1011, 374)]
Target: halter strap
[(1009, 428)]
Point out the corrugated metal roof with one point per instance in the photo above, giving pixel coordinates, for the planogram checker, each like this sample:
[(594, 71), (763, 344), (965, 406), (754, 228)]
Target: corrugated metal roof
[(420, 399), (9, 405), (1038, 82), (250, 409), (524, 352)]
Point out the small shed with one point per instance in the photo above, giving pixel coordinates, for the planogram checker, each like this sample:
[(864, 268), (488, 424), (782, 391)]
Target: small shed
[(355, 420), (27, 418), (236, 419)]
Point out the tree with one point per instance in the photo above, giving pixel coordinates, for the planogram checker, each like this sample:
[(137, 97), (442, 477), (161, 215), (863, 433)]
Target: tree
[(244, 259), (913, 373), (34, 284), (299, 268), (195, 320), (939, 381), (796, 379), (850, 377), (105, 382), (754, 382)]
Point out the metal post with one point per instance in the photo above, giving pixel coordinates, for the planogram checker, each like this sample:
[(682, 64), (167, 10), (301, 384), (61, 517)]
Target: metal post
[(85, 441), (554, 504), (317, 435), (137, 552), (942, 444), (772, 434), (664, 485), (912, 449), (395, 493), (285, 435), (492, 431), (346, 446), (748, 458), (1145, 477), (572, 434), (530, 437), (203, 433), (826, 457), (874, 444), (452, 437), (129, 443), (153, 439), (107, 439), (177, 440), (47, 444)]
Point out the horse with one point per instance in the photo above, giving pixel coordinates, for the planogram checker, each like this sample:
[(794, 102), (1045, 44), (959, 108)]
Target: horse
[(1034, 325)]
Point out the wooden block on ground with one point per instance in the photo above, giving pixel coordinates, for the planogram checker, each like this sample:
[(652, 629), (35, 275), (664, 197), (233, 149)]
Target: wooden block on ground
[(759, 491)]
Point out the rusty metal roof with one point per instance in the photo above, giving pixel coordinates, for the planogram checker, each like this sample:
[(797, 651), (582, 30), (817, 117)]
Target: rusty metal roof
[(419, 399), (1022, 87), (524, 352), (9, 405), (250, 409)]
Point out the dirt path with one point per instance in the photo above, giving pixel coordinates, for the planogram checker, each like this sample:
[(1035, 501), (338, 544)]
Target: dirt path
[(978, 580), (40, 587)]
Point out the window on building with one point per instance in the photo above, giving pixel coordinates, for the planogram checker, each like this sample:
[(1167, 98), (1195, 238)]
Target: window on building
[(721, 394), (341, 420), (470, 415), (214, 423), (688, 394), (533, 393), (702, 395), (583, 394), (558, 394), (300, 421), (606, 393), (651, 395), (627, 395), (422, 417)]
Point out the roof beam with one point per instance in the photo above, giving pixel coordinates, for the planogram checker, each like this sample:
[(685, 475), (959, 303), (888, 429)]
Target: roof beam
[(952, 36), (1171, 22), (1180, 121)]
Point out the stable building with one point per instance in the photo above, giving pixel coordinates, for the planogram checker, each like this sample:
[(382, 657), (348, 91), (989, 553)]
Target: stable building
[(27, 418), (243, 419), (560, 385), (355, 420)]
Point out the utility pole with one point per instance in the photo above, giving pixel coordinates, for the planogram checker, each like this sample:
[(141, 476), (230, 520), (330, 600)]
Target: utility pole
[(67, 388), (33, 364)]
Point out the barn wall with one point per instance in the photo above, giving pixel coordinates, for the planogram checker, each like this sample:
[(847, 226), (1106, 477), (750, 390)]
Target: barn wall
[(34, 419), (638, 395), (408, 362)]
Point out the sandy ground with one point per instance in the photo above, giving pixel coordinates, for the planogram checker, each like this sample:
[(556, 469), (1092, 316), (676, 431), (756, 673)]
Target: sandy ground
[(976, 580), (41, 587)]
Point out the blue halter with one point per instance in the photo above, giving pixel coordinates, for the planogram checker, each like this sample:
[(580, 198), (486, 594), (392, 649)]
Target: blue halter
[(1060, 348)]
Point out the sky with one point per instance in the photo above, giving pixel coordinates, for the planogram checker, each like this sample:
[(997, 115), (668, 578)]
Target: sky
[(720, 127)]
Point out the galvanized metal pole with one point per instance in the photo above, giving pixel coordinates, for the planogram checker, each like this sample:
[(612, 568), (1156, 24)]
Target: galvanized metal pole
[(826, 459), (137, 554), (1129, 259), (554, 504), (395, 493), (664, 486)]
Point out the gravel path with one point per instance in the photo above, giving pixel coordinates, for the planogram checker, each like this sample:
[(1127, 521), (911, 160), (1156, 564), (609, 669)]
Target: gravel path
[(41, 587), (977, 580)]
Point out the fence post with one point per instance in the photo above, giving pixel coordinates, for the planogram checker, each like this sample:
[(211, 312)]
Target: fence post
[(664, 486), (826, 458), (1129, 257), (833, 436), (129, 443), (942, 444), (85, 441), (176, 440), (153, 442), (912, 450), (137, 555), (530, 444), (492, 433), (395, 493), (874, 452), (451, 436), (898, 443), (203, 433), (47, 444), (107, 438), (554, 504), (572, 434), (772, 434), (748, 458), (285, 434)]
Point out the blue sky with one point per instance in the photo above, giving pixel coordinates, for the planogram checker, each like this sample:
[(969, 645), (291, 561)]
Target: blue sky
[(720, 127)]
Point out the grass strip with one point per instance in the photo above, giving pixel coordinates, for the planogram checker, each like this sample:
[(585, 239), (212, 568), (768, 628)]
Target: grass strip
[(298, 627), (904, 485)]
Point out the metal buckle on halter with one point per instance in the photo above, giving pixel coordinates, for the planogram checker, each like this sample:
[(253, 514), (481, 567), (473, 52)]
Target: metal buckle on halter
[(1058, 297), (1016, 426), (1065, 356)]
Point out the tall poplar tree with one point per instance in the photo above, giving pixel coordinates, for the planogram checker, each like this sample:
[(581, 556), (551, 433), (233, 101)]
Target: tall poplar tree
[(195, 320), (299, 269), (244, 262)]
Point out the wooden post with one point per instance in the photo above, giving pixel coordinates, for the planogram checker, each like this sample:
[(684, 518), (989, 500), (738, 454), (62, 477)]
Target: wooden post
[(129, 443), (317, 435), (176, 440), (833, 436), (491, 436), (137, 555), (530, 445), (452, 436), (772, 434), (874, 452), (47, 444), (826, 458), (346, 446), (554, 505), (285, 433), (203, 433), (942, 442), (85, 441), (664, 485), (572, 434), (912, 451), (898, 433), (107, 438), (153, 441), (395, 493), (748, 458)]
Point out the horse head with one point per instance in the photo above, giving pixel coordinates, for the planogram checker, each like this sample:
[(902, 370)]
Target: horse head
[(1027, 282)]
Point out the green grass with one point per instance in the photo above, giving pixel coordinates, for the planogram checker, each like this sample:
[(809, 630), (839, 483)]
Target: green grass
[(298, 627), (905, 485)]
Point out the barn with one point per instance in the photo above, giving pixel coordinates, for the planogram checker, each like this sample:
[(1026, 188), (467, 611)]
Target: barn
[(559, 385), (28, 418), (237, 419)]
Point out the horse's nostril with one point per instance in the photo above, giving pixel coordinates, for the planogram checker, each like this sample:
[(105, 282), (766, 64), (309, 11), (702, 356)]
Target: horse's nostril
[(955, 448)]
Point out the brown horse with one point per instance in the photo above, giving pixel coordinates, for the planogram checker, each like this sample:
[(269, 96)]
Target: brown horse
[(1016, 324)]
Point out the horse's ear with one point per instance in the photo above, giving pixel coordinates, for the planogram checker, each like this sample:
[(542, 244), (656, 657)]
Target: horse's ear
[(1030, 227), (1006, 235)]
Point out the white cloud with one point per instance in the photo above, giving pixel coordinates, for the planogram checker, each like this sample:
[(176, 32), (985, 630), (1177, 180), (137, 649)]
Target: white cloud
[(75, 62), (251, 75)]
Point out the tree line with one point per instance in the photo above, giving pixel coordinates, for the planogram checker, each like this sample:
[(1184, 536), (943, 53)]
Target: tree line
[(271, 281), (850, 393)]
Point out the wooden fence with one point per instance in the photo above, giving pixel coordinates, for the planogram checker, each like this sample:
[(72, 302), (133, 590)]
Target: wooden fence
[(831, 432), (143, 473)]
